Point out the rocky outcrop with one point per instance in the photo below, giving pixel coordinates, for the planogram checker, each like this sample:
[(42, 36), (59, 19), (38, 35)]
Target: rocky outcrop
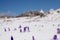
[(40, 13), (32, 14)]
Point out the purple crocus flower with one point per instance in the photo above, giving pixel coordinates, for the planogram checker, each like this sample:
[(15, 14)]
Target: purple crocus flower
[(33, 38), (26, 29), (55, 37), (58, 30), (12, 38)]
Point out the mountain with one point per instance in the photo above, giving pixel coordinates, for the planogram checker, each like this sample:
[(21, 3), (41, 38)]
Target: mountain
[(32, 25), (40, 13), (32, 14)]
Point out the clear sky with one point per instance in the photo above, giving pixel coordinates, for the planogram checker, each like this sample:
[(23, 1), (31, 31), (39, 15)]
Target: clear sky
[(15, 7)]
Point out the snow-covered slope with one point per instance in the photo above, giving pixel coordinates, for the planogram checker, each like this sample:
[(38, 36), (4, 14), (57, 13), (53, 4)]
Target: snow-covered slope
[(37, 28)]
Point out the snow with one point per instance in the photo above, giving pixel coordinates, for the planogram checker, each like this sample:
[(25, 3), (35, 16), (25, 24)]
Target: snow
[(41, 11), (41, 28)]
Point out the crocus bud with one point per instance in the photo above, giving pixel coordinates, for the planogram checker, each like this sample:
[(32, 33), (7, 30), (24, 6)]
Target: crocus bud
[(55, 37), (58, 30)]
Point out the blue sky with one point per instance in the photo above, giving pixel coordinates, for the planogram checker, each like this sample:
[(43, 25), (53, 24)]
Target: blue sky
[(15, 7)]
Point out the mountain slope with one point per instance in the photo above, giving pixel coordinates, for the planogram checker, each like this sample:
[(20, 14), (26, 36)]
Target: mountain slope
[(37, 27)]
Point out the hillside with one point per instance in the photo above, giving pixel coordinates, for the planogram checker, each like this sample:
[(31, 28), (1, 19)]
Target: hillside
[(32, 25)]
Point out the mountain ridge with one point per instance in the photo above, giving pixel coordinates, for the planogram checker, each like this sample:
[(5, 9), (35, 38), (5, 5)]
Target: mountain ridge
[(40, 13)]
